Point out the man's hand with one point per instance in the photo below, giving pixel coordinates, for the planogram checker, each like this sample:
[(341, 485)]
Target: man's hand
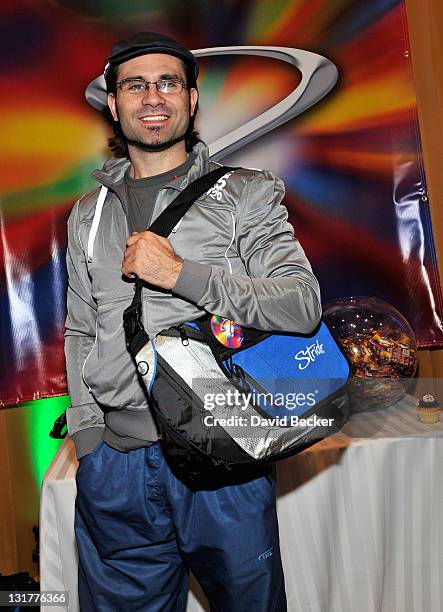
[(152, 259)]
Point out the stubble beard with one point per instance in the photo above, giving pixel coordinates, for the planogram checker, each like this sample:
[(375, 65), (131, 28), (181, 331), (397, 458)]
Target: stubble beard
[(153, 147)]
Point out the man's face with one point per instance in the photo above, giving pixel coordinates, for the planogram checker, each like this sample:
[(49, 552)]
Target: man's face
[(152, 120)]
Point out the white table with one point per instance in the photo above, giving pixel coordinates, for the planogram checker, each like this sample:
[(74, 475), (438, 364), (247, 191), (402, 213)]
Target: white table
[(360, 514)]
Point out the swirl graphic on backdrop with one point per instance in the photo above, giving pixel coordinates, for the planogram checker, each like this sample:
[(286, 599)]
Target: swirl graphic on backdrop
[(319, 76)]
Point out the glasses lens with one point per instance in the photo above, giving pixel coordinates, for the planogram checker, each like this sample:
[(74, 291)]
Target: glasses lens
[(134, 85), (169, 86)]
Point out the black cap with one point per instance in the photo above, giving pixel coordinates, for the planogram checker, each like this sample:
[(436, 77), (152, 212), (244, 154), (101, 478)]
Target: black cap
[(142, 43)]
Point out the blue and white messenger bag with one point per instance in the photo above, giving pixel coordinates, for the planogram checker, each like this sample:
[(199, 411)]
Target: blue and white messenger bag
[(227, 397)]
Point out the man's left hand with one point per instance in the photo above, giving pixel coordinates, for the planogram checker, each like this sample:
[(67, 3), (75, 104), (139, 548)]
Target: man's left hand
[(152, 259)]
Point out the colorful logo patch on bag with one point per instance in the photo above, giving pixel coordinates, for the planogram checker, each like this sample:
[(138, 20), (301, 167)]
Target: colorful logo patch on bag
[(227, 332)]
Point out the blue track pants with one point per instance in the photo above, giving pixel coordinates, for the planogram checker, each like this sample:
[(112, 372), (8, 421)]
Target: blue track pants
[(139, 529)]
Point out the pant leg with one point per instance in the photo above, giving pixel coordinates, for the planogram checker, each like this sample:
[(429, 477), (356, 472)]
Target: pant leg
[(128, 555), (229, 539)]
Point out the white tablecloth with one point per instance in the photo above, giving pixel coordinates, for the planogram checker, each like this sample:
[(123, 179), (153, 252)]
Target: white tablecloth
[(360, 514)]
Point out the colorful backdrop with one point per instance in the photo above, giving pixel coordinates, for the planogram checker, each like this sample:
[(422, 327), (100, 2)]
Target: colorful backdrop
[(352, 165)]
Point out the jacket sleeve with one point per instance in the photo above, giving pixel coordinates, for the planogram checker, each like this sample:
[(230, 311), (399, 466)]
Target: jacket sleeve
[(84, 418), (281, 292)]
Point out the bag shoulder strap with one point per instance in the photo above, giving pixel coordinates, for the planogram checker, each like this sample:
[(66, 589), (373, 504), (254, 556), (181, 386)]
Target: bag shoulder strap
[(177, 209), (135, 334)]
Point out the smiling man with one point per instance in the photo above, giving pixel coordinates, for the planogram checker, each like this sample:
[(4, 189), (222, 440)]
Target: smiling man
[(140, 526), (150, 119)]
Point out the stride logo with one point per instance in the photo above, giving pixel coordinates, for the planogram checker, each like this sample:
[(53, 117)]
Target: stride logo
[(308, 355)]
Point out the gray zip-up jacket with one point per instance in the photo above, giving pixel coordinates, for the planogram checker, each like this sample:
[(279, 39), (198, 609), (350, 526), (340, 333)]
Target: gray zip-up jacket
[(241, 261)]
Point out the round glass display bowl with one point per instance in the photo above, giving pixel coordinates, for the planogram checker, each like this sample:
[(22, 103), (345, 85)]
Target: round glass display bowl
[(380, 345)]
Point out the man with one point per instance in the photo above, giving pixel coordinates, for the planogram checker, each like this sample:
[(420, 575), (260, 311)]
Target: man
[(140, 528)]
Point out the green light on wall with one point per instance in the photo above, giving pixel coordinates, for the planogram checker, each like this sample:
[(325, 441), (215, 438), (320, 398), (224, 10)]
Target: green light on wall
[(40, 416)]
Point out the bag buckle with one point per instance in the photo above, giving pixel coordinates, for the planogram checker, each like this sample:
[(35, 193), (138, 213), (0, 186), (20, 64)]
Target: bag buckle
[(59, 428)]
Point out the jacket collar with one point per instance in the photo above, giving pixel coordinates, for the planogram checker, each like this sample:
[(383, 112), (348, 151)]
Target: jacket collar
[(112, 173)]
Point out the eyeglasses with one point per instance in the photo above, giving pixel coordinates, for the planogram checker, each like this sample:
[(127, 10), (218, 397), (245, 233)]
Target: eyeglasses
[(140, 86)]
